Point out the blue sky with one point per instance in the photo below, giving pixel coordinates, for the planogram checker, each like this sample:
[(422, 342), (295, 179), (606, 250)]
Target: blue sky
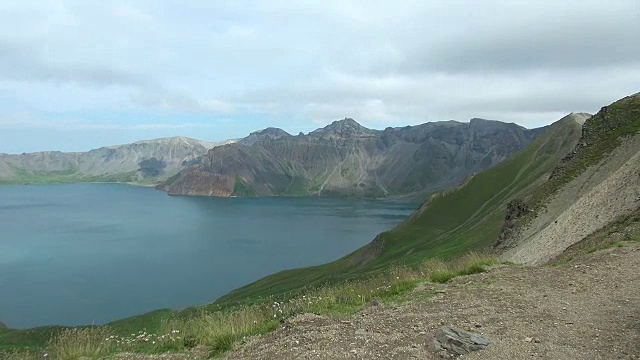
[(76, 75)]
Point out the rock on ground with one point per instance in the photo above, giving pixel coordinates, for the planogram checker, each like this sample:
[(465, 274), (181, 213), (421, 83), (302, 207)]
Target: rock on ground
[(589, 309)]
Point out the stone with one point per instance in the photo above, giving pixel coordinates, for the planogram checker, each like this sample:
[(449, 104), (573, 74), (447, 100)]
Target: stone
[(374, 303), (455, 341)]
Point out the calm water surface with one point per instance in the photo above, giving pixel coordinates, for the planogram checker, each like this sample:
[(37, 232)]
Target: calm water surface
[(92, 253)]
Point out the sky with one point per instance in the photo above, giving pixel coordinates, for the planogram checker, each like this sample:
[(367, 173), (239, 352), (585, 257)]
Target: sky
[(77, 75)]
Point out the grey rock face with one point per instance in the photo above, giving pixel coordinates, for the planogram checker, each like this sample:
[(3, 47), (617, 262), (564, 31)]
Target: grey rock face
[(345, 158), (451, 341)]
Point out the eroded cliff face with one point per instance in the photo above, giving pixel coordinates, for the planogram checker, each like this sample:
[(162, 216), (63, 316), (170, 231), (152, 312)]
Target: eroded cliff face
[(593, 186), (347, 159)]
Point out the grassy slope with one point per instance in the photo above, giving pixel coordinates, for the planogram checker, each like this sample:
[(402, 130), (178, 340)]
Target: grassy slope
[(23, 177), (449, 224)]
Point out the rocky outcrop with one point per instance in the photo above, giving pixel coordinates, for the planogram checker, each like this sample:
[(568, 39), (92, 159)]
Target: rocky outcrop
[(450, 341), (516, 209), (263, 135), (348, 159)]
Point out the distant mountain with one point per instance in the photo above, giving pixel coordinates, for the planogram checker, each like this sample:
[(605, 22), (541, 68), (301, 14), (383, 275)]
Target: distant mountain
[(348, 159), (448, 224), (146, 162), (262, 135)]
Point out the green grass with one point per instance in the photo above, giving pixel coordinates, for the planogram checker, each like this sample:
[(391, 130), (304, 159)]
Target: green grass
[(241, 189), (23, 177), (441, 276), (220, 330), (297, 187), (613, 236)]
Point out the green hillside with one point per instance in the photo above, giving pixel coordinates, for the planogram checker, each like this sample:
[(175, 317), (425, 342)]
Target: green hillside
[(449, 224)]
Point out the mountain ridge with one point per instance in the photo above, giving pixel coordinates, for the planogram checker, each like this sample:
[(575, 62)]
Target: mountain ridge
[(345, 158), (591, 187), (144, 162)]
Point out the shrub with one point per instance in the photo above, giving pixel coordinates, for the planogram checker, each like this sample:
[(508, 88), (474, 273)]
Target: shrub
[(76, 343), (441, 276)]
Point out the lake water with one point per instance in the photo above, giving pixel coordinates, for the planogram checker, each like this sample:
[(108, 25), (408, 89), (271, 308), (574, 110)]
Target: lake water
[(93, 253)]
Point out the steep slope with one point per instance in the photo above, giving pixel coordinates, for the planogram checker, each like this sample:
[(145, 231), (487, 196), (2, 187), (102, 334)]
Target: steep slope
[(146, 161), (347, 159), (448, 224), (593, 186)]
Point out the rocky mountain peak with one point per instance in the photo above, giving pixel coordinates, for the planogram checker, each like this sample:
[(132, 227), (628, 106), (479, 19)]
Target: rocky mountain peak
[(170, 141), (270, 133), (345, 128)]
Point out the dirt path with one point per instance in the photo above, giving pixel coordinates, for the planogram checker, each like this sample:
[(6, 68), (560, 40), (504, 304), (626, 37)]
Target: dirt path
[(589, 309)]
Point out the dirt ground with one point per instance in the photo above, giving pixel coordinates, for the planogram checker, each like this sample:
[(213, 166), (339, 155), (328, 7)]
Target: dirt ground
[(588, 309)]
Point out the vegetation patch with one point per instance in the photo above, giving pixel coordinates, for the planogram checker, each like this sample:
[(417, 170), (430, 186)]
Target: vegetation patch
[(23, 177), (219, 330), (615, 235), (601, 134), (241, 189)]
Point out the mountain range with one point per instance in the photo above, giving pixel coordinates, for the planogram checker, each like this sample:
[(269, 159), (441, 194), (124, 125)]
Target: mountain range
[(345, 158), (144, 162)]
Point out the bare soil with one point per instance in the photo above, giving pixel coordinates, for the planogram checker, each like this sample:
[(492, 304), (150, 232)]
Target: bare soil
[(586, 309), (602, 193)]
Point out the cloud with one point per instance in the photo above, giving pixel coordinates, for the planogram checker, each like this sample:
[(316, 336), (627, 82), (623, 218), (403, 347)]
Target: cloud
[(277, 63), (176, 102), (21, 62), (22, 121)]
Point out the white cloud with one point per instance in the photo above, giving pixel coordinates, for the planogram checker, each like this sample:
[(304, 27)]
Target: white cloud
[(380, 62), (22, 121)]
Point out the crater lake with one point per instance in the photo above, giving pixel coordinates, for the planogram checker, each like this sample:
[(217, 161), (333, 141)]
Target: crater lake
[(75, 254)]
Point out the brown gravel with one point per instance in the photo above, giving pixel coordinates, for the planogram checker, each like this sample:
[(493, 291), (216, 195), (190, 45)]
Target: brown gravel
[(588, 309)]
